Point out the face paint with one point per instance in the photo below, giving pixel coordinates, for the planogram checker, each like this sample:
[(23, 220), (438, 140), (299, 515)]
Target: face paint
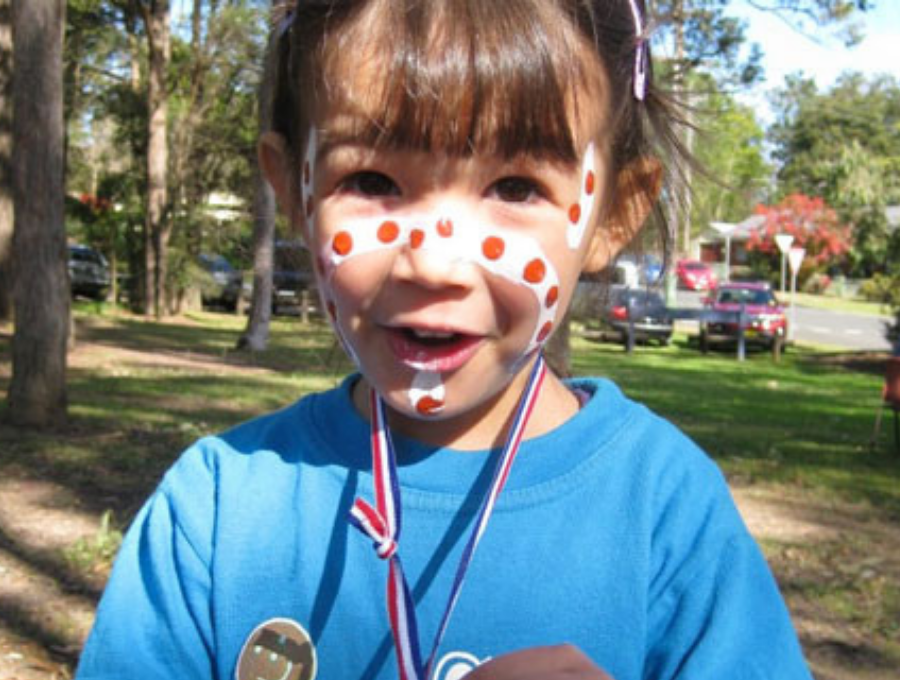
[(308, 173), (307, 188), (580, 213), (427, 393), (453, 235), (456, 239)]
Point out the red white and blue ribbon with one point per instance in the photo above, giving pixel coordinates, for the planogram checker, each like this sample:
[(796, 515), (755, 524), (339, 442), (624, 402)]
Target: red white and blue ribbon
[(382, 525)]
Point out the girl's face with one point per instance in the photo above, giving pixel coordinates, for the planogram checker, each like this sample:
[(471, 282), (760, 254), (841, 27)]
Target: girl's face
[(445, 275)]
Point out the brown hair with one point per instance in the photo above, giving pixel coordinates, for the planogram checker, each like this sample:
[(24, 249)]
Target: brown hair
[(492, 76)]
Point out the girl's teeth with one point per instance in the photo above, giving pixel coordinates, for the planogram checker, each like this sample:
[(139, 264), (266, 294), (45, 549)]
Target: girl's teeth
[(432, 334)]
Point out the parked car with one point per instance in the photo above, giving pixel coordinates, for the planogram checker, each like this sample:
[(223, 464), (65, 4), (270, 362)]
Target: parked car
[(224, 285), (695, 275), (292, 275), (643, 309), (88, 272), (765, 321), (651, 270), (625, 273)]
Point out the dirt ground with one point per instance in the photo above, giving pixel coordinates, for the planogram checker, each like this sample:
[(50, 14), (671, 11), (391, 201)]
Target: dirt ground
[(808, 541)]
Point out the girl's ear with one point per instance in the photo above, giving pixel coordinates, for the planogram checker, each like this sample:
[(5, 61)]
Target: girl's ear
[(271, 151), (637, 188)]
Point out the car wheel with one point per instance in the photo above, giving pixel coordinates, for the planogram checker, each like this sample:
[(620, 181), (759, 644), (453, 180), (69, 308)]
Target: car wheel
[(704, 341), (665, 340)]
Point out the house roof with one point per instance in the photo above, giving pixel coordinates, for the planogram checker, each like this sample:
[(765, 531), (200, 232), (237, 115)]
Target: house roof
[(892, 213)]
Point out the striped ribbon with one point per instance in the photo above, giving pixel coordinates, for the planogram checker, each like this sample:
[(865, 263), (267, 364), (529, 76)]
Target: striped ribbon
[(382, 525)]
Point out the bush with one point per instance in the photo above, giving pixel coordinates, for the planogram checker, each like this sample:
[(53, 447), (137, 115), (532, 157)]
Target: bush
[(882, 288), (817, 283)]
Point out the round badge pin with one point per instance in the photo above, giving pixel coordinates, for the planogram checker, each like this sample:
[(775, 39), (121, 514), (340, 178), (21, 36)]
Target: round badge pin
[(277, 649)]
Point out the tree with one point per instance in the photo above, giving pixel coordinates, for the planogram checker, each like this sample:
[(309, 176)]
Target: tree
[(37, 393), (6, 198), (844, 144), (815, 227), (736, 176), (157, 228), (256, 335), (703, 37), (211, 80)]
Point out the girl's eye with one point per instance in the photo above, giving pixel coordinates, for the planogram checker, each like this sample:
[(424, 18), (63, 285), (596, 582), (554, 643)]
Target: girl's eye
[(515, 189), (370, 183)]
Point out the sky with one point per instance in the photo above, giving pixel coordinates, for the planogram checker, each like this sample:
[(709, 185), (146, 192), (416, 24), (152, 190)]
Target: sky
[(787, 51)]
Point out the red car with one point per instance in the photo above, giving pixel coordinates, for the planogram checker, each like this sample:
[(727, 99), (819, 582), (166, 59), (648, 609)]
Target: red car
[(765, 321), (695, 275)]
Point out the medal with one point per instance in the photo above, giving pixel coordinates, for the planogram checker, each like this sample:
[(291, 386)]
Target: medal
[(382, 524)]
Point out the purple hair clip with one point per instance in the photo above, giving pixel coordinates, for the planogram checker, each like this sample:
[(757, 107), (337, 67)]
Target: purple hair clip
[(284, 24), (640, 53)]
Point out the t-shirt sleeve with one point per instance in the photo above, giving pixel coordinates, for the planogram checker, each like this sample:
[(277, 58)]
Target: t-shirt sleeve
[(154, 620), (715, 610), (727, 620)]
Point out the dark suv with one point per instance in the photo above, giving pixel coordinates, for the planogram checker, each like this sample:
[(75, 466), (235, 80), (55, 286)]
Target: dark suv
[(88, 272), (292, 275), (224, 283), (638, 310)]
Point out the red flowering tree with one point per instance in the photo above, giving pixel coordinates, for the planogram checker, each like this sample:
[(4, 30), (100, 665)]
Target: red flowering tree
[(814, 226)]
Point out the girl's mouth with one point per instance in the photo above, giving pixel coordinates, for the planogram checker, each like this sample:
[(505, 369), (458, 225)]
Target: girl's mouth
[(432, 350)]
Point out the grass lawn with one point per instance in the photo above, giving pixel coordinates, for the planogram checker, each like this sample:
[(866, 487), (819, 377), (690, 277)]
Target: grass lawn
[(804, 421), (792, 438)]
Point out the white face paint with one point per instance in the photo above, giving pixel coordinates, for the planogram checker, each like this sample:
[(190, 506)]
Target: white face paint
[(580, 213), (308, 206), (453, 236), (426, 394), (456, 238)]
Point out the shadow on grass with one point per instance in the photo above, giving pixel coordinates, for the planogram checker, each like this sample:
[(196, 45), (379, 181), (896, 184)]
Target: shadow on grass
[(19, 618), (132, 412), (294, 346)]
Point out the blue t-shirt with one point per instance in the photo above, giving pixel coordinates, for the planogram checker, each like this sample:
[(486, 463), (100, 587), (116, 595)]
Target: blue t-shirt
[(614, 533)]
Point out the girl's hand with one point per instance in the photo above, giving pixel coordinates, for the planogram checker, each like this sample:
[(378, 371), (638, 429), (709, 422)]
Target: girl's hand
[(560, 662)]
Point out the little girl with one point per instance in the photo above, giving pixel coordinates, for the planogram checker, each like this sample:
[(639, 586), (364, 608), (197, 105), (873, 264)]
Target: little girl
[(455, 166)]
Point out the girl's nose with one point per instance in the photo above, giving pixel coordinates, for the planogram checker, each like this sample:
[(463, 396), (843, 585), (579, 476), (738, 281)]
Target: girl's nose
[(439, 263)]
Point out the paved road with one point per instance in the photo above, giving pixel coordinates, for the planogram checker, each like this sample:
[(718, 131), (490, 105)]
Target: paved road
[(840, 329), (825, 327)]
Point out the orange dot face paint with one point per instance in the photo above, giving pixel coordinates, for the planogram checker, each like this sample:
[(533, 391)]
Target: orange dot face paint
[(580, 213), (575, 214), (545, 331), (342, 243), (416, 238), (428, 406), (535, 271), (551, 297), (388, 231), (492, 247)]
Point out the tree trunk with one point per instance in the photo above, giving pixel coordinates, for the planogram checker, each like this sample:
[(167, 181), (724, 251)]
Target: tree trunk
[(37, 393), (6, 197), (256, 336), (681, 181), (156, 231)]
